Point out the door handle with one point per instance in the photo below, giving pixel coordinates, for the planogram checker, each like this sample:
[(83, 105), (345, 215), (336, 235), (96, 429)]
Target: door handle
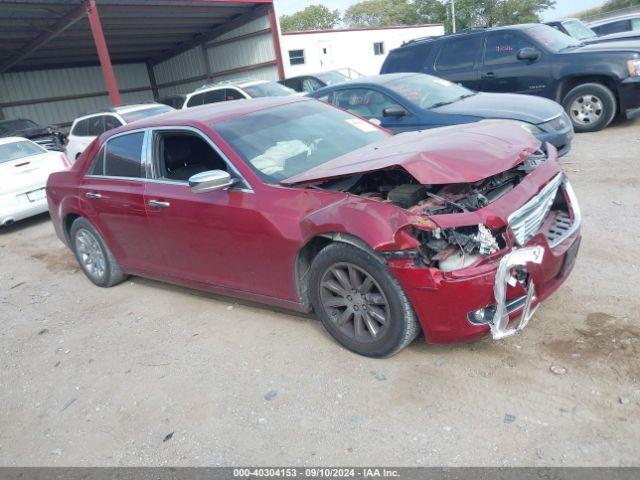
[(158, 203), (489, 75), (92, 195)]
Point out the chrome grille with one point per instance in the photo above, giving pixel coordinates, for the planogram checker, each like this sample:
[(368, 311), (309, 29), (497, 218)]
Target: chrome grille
[(527, 220)]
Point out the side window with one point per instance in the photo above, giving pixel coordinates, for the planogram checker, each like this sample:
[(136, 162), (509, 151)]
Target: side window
[(111, 122), (213, 96), (196, 100), (80, 128), (293, 83), (97, 165), (180, 155), (614, 27), (363, 102), (123, 156), (458, 53), (296, 57), (310, 84), (95, 126), (502, 47), (635, 24), (232, 94), (407, 59)]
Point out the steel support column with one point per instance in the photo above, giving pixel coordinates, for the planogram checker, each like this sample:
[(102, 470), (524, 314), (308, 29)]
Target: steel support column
[(103, 53), (275, 35)]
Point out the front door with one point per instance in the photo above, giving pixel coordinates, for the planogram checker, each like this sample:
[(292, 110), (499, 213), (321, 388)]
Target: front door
[(215, 238), (503, 72)]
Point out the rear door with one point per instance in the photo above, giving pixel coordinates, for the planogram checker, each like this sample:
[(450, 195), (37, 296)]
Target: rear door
[(503, 72), (458, 60), (113, 196)]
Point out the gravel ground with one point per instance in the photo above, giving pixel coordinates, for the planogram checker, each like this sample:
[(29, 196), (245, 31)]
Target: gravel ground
[(150, 374)]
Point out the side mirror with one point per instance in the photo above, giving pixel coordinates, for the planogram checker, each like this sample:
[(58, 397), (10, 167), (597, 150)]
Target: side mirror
[(210, 181), (528, 53), (394, 111)]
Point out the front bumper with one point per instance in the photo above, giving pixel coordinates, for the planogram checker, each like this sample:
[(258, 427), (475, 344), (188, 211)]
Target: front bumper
[(629, 95), (561, 140), (466, 304)]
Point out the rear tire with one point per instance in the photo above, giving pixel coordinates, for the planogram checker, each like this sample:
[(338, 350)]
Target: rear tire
[(360, 303), (94, 257), (591, 107)]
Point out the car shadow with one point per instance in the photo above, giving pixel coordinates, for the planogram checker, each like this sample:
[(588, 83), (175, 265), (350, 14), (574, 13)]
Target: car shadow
[(26, 223)]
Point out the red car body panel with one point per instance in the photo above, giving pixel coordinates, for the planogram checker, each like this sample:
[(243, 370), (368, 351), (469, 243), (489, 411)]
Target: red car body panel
[(246, 243)]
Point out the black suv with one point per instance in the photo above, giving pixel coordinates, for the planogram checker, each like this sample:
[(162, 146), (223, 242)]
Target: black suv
[(592, 82)]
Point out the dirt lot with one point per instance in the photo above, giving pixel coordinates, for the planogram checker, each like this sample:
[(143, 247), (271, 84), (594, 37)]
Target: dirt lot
[(150, 374)]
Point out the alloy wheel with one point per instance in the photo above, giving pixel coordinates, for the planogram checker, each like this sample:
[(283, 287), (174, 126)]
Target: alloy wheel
[(90, 254), (354, 302)]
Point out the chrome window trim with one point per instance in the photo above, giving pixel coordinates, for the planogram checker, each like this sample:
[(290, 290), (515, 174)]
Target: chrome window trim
[(154, 175)]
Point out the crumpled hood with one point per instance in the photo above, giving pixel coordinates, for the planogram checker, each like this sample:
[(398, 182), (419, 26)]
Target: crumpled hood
[(33, 132), (512, 106), (456, 154)]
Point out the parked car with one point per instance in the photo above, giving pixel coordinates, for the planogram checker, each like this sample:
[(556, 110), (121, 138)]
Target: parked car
[(86, 128), (311, 83), (174, 101), (403, 102), (24, 169), (582, 32), (48, 137), (226, 91), (592, 82), (295, 203), (622, 23)]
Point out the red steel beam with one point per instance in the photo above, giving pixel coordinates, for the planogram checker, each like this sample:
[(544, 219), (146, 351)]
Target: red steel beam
[(275, 35), (103, 53), (45, 37)]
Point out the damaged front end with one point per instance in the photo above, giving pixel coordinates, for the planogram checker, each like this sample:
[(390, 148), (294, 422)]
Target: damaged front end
[(478, 258)]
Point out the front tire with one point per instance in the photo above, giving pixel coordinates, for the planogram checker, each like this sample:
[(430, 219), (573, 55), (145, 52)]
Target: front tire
[(360, 303), (591, 107), (94, 257)]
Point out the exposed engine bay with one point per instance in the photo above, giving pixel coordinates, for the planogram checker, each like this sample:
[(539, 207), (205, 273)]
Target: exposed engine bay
[(449, 249)]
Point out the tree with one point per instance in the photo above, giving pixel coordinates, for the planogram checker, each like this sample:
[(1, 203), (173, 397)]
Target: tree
[(488, 13), (314, 17), (381, 13)]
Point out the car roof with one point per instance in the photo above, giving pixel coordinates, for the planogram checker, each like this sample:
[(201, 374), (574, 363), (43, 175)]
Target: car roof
[(212, 113), (123, 109), (380, 80), (628, 16), (464, 33), (225, 84)]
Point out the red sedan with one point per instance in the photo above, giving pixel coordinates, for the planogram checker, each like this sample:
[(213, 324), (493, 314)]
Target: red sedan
[(458, 231)]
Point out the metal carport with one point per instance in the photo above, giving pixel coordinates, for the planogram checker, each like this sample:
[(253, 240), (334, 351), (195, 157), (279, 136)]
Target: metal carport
[(62, 58)]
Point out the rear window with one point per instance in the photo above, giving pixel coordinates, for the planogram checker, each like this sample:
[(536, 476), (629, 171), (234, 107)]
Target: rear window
[(408, 59), (458, 53), (16, 150)]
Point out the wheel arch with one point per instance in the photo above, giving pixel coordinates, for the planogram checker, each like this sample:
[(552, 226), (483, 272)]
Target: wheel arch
[(569, 83), (310, 250)]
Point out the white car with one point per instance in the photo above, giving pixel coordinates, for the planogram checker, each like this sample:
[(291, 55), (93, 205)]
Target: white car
[(87, 127), (24, 170), (225, 91)]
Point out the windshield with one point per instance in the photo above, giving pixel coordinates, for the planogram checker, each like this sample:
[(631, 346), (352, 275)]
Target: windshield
[(15, 150), (10, 126), (553, 39), (427, 91), (330, 78), (269, 89), (146, 112), (290, 139), (578, 30)]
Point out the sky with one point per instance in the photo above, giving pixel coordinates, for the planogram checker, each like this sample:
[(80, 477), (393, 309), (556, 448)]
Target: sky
[(563, 8)]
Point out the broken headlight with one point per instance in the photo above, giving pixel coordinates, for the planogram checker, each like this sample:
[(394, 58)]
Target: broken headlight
[(529, 127)]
